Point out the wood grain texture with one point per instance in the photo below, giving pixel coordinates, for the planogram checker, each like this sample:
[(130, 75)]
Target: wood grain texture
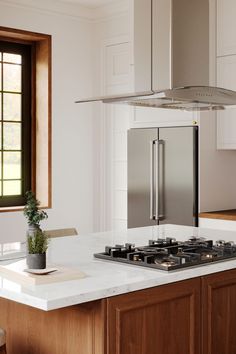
[(3, 350), (21, 35), (72, 330), (41, 111), (221, 214), (43, 122), (61, 232), (161, 320), (219, 313)]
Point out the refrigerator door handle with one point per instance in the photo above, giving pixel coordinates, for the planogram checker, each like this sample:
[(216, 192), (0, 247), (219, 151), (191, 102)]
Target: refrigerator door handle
[(152, 178), (160, 154)]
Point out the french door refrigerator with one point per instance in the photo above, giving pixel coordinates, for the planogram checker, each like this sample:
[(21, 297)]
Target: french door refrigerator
[(163, 176)]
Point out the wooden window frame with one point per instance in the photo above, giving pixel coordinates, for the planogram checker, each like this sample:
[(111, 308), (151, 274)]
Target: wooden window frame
[(41, 112), (25, 122)]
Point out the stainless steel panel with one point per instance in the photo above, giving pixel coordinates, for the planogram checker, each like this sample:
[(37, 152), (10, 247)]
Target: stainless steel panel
[(142, 45), (180, 43), (179, 185), (190, 43), (141, 166)]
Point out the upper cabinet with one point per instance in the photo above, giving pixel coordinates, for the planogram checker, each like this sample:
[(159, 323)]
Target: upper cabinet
[(226, 120), (226, 27), (226, 70), (121, 37)]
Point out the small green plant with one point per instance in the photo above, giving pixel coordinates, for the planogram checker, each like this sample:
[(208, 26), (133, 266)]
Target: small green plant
[(31, 210), (38, 242)]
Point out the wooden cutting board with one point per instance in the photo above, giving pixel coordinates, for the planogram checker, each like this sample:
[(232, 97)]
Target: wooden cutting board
[(15, 272)]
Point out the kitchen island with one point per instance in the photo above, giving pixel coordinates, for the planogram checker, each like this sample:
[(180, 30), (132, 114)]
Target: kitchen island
[(122, 309)]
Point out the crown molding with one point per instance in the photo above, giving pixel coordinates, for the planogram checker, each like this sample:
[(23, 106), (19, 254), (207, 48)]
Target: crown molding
[(53, 7), (71, 9), (111, 10)]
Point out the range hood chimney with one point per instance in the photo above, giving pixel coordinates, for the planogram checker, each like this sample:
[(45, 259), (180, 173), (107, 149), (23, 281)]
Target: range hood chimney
[(178, 55)]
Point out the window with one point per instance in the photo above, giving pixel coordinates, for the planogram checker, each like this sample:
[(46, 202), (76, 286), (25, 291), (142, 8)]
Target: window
[(15, 122), (25, 117)]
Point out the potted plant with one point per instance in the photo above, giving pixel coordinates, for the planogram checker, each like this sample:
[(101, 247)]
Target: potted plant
[(32, 213), (37, 245), (37, 241)]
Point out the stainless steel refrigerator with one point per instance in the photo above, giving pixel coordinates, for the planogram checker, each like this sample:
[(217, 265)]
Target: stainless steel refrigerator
[(163, 176)]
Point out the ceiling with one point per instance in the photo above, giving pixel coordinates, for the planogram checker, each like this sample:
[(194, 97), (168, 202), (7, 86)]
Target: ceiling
[(90, 3)]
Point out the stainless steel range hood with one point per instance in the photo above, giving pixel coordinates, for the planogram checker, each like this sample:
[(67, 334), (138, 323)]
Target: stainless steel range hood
[(171, 58)]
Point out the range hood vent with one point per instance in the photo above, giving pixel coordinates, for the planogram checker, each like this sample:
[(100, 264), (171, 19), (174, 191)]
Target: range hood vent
[(178, 58)]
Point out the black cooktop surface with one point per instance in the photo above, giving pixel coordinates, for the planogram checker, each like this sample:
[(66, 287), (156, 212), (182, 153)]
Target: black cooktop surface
[(169, 254)]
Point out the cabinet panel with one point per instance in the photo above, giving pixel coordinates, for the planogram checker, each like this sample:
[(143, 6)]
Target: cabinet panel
[(121, 41), (118, 69), (219, 309), (76, 329), (226, 122), (160, 320), (145, 117), (226, 72), (217, 224), (226, 27)]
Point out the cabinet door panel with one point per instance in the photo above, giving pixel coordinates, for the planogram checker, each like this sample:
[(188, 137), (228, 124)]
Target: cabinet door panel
[(226, 123), (219, 313), (226, 27), (162, 320), (121, 42)]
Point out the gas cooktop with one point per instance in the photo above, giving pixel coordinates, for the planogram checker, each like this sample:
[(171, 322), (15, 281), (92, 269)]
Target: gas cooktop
[(169, 254)]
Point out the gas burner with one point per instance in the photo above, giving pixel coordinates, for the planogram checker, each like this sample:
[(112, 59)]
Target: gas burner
[(197, 239), (207, 255), (163, 242), (165, 262), (169, 254), (223, 243)]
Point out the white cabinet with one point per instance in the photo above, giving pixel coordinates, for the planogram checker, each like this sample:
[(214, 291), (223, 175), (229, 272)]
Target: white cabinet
[(217, 224), (226, 120), (226, 70), (144, 117), (117, 69), (226, 27), (121, 37)]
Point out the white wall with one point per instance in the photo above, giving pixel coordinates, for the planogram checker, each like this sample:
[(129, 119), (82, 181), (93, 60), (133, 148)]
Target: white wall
[(72, 124)]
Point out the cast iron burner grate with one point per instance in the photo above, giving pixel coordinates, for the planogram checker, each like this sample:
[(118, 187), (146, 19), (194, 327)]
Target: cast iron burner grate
[(168, 254)]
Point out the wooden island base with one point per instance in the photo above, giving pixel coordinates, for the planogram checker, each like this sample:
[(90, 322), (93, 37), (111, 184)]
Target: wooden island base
[(72, 330), (195, 316)]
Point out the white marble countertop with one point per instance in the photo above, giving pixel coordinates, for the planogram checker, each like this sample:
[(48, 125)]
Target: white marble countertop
[(104, 278)]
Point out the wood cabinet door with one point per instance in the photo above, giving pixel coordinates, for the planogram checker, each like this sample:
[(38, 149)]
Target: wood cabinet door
[(161, 320), (219, 313)]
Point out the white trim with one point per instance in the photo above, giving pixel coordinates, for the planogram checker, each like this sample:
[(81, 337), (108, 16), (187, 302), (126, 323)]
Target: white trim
[(74, 10), (110, 11), (70, 10)]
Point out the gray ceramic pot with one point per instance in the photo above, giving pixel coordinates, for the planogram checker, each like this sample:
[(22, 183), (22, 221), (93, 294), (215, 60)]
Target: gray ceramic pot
[(31, 232), (32, 229), (36, 261)]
